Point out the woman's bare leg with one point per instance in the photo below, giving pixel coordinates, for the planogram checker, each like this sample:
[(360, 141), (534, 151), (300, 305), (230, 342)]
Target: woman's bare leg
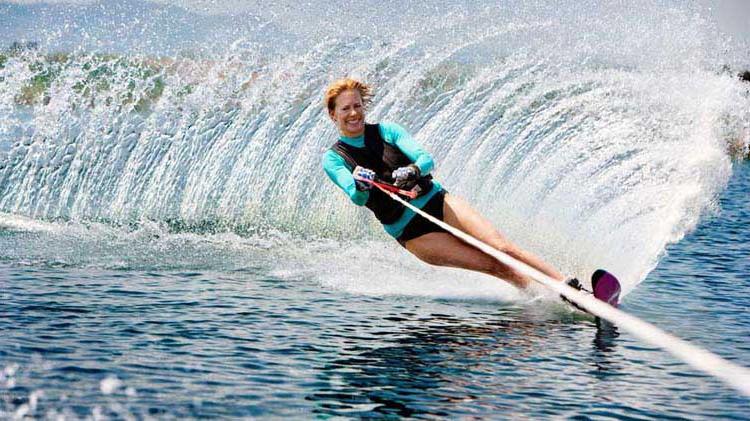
[(443, 249), (446, 250), (458, 213)]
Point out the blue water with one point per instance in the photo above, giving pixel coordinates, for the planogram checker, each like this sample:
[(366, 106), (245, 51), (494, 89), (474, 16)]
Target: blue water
[(222, 338), (170, 247)]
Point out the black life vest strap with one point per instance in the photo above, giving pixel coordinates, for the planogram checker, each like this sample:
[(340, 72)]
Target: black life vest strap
[(344, 154)]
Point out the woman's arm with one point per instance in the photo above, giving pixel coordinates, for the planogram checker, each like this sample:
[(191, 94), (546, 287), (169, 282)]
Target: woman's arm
[(337, 170), (397, 135)]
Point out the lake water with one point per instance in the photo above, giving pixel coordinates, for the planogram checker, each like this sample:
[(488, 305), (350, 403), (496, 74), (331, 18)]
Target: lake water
[(170, 246), (251, 341)]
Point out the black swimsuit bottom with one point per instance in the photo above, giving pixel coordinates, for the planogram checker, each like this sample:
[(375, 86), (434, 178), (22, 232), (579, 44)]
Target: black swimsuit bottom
[(419, 225)]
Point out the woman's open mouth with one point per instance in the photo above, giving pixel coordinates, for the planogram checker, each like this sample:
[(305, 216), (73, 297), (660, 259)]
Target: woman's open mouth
[(356, 123)]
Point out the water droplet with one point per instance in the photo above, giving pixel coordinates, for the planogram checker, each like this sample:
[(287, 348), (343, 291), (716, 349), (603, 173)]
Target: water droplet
[(110, 385)]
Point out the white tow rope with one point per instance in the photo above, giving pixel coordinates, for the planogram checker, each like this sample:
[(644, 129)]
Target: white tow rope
[(734, 375)]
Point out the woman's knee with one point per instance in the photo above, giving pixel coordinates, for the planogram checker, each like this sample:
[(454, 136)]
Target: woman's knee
[(501, 244)]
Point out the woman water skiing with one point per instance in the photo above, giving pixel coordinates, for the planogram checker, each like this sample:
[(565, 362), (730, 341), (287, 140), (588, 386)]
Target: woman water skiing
[(387, 152)]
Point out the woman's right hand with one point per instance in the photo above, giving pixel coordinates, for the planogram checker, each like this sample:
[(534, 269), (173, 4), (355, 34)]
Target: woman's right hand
[(363, 178)]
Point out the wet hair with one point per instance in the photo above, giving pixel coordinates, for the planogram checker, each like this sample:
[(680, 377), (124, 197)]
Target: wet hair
[(338, 86)]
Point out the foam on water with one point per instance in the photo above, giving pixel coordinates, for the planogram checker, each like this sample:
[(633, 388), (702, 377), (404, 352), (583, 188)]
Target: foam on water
[(359, 267)]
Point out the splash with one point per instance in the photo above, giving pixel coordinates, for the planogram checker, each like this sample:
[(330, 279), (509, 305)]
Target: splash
[(593, 139)]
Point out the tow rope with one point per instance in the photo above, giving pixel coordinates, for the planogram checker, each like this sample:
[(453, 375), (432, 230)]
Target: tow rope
[(700, 359)]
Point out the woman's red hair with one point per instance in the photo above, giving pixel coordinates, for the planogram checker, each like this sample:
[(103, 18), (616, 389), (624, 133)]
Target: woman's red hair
[(338, 86)]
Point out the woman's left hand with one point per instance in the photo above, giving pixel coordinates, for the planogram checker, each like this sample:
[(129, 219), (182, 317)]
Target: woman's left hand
[(406, 177)]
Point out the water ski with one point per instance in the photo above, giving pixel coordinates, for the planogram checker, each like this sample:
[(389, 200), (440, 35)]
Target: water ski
[(605, 287)]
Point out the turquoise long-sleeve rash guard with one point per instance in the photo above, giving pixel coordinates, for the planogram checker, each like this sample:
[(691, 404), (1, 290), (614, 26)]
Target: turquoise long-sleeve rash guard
[(341, 174)]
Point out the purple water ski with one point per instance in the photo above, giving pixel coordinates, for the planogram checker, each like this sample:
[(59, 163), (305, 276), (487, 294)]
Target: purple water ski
[(606, 287)]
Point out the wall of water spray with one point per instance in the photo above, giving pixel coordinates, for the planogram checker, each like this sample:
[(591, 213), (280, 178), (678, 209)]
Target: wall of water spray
[(617, 143)]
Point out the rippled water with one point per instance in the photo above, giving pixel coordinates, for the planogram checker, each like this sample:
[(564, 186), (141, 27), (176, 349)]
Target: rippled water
[(169, 246), (251, 340)]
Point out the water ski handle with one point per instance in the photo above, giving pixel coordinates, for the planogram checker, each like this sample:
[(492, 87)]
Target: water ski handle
[(388, 187)]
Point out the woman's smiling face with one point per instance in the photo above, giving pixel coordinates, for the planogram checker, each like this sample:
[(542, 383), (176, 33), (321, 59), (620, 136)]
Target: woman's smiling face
[(349, 113)]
